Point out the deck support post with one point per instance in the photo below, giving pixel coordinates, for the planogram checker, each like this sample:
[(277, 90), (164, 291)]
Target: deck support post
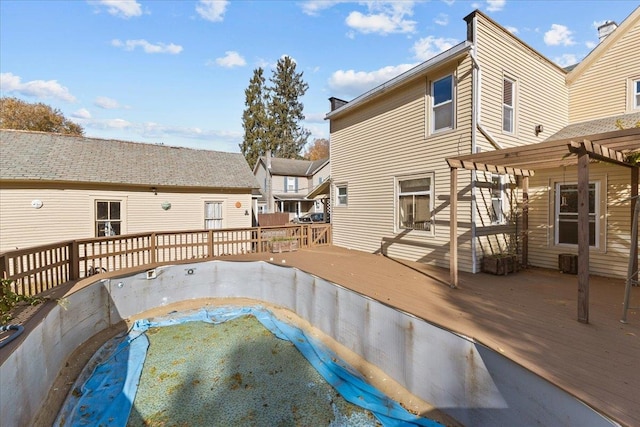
[(583, 237), (635, 186), (453, 229), (525, 221)]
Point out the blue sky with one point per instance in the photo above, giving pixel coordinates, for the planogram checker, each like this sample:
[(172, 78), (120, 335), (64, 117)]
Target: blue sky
[(174, 72)]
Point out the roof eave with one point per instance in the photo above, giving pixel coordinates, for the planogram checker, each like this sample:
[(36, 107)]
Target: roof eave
[(442, 58)]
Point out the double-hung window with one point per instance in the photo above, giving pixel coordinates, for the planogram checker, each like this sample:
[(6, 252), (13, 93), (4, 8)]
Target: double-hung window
[(291, 184), (497, 196), (341, 195), (212, 215), (567, 214), (636, 94), (442, 114), (108, 218), (414, 203), (508, 108)]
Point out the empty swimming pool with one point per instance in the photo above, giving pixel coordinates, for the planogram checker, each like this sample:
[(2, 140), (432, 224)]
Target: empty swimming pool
[(464, 379)]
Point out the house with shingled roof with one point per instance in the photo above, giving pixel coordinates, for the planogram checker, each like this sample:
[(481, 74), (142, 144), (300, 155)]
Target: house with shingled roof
[(58, 187), (285, 185)]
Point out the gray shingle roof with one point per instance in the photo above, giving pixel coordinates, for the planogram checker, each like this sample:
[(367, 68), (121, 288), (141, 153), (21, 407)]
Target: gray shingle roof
[(28, 156), (594, 127), (294, 167)]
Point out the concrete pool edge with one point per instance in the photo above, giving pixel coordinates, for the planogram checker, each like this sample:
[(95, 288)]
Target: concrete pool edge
[(463, 378)]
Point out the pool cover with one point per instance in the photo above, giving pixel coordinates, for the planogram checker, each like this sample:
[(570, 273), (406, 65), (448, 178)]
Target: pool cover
[(106, 395)]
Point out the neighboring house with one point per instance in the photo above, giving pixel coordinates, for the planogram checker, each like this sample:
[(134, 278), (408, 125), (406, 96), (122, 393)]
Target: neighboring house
[(291, 182), (396, 149), (56, 187)]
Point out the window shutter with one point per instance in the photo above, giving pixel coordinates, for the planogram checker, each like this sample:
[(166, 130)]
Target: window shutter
[(296, 184), (286, 184)]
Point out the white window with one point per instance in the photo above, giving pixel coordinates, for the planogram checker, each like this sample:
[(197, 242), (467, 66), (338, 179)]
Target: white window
[(443, 108), (212, 215), (108, 218), (567, 214), (497, 197), (414, 203), (341, 199), (291, 184), (636, 94), (508, 115)]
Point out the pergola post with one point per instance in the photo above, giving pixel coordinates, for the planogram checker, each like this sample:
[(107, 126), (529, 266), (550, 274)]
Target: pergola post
[(635, 183), (525, 221), (453, 229), (583, 237)]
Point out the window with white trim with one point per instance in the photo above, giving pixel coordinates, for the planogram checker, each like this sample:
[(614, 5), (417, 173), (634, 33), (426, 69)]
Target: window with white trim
[(108, 218), (566, 212), (497, 197), (414, 202), (636, 94), (212, 215), (291, 184), (442, 113), (508, 106), (341, 195)]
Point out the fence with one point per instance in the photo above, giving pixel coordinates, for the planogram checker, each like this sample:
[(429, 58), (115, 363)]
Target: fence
[(35, 270)]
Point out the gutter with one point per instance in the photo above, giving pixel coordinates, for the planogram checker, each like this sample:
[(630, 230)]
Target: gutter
[(437, 60)]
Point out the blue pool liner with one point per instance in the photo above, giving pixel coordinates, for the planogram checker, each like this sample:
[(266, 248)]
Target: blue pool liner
[(106, 398)]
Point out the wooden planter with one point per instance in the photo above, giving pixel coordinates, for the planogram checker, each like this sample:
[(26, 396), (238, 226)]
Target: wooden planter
[(279, 246), (500, 264)]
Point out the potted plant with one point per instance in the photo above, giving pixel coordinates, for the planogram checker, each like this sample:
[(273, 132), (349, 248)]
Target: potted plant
[(281, 244), (500, 264)]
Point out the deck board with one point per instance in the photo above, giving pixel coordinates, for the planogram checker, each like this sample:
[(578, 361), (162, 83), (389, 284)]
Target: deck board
[(529, 317)]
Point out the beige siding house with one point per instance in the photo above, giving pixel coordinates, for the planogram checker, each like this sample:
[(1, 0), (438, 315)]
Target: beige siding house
[(291, 180), (394, 149), (56, 187)]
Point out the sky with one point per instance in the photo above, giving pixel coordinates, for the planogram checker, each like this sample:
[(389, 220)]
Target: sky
[(175, 72)]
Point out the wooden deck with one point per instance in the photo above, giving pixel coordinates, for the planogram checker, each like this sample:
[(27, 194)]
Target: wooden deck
[(530, 317)]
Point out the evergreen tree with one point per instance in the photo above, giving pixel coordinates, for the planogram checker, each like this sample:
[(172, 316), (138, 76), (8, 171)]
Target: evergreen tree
[(287, 136), (272, 116), (254, 119)]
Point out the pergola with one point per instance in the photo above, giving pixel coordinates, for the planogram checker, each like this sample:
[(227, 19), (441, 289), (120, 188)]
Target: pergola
[(611, 147)]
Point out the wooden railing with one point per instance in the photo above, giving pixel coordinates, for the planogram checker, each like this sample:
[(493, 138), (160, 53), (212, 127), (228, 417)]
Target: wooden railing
[(38, 269)]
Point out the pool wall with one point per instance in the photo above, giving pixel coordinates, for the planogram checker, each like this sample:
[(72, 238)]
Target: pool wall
[(475, 385)]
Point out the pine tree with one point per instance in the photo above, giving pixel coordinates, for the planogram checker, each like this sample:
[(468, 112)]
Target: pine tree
[(273, 114), (287, 136), (254, 119)]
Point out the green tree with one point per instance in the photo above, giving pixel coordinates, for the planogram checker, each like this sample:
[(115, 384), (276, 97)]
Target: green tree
[(272, 116), (254, 119), (21, 115), (286, 136)]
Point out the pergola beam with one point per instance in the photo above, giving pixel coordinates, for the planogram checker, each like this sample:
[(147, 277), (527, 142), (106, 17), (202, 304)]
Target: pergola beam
[(504, 170), (598, 152)]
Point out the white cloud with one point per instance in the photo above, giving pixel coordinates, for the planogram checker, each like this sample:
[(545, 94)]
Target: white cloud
[(35, 88), (120, 8), (430, 46), (591, 45), (383, 17), (82, 113), (442, 19), (212, 10), (558, 35), (352, 83), (106, 103), (495, 5), (171, 48), (566, 60), (231, 59), (449, 2), (312, 7)]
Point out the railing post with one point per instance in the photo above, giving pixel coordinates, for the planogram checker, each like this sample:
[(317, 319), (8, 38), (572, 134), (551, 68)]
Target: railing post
[(152, 249), (74, 260), (210, 243), (259, 250)]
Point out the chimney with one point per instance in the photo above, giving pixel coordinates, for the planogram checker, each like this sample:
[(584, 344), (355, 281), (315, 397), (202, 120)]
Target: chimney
[(605, 29), (336, 103)]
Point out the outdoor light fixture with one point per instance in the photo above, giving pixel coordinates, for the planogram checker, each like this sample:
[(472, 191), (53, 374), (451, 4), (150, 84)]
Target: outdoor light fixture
[(539, 129), (246, 212), (155, 190)]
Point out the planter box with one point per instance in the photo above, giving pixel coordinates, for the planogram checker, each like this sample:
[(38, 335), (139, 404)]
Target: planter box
[(279, 246), (500, 264)]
